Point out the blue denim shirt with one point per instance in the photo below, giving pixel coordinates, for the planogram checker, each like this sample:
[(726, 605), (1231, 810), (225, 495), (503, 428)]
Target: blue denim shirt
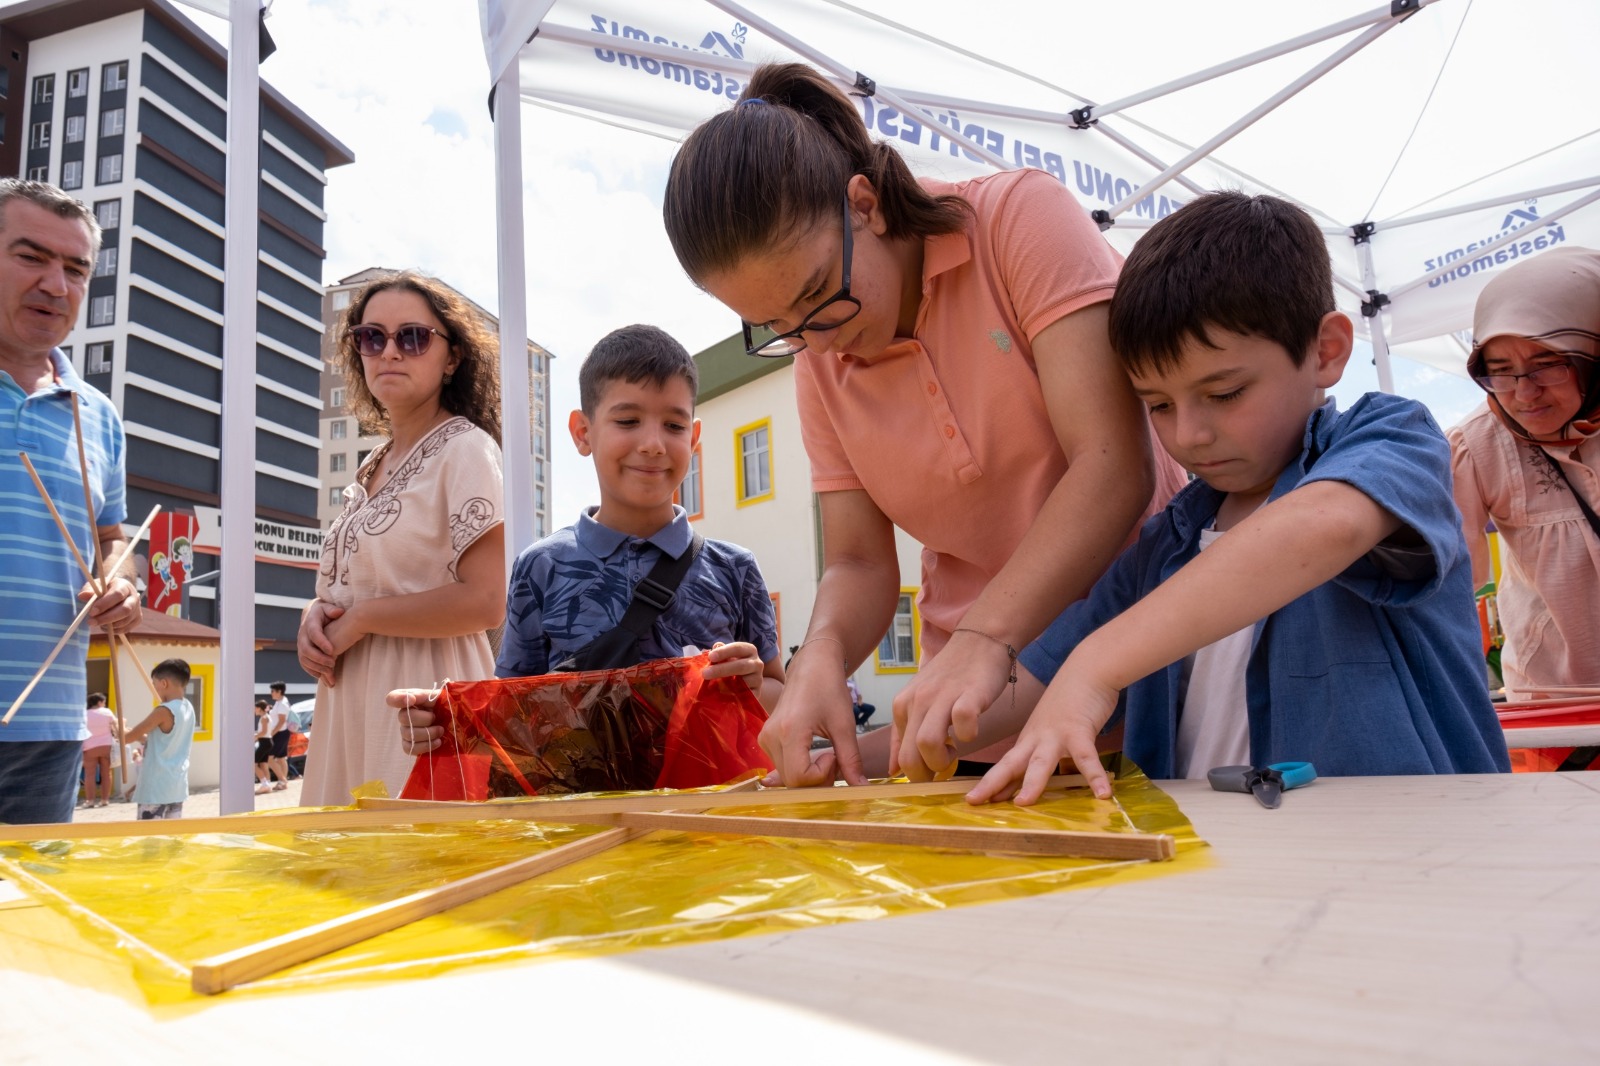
[(575, 584), (1380, 670)]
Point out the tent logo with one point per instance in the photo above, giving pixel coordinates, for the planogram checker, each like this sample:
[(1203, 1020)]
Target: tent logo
[(1469, 260), (734, 48), (1530, 215)]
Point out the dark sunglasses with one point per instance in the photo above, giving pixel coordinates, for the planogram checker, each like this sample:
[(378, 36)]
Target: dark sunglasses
[(831, 313), (408, 340)]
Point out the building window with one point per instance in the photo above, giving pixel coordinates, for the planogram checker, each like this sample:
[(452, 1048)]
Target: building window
[(38, 173), (108, 213), (111, 122), (114, 77), (335, 496), (44, 89), (78, 82), (538, 471), (72, 174), (110, 169), (538, 527), (39, 135), (337, 429), (361, 457), (97, 358), (897, 651), (336, 396), (66, 352), (753, 445), (102, 310), (689, 493), (105, 264), (341, 299), (74, 129), (336, 463)]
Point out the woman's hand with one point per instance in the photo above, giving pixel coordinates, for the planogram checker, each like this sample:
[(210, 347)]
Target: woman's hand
[(814, 703), (944, 701), (317, 655), (419, 733)]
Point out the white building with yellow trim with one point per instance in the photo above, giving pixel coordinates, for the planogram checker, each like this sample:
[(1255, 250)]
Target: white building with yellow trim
[(749, 482)]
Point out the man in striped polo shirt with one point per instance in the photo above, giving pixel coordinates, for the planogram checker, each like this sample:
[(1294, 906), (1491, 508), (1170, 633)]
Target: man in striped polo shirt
[(48, 243)]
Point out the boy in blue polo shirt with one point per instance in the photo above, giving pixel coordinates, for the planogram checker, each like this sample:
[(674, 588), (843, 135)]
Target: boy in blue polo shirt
[(636, 421), (1308, 596)]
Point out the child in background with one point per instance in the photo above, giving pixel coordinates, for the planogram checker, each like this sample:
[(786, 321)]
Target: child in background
[(637, 394), (263, 746), (97, 752), (168, 734), (1308, 596)]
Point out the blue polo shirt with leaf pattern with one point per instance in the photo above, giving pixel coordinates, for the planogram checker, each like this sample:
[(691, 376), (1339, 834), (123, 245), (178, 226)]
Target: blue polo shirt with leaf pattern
[(575, 584)]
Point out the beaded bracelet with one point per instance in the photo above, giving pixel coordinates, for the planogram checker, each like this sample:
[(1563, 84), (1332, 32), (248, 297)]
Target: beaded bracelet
[(1011, 655)]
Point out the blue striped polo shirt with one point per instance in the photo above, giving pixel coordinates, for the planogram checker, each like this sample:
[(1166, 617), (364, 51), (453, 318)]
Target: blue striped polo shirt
[(39, 581)]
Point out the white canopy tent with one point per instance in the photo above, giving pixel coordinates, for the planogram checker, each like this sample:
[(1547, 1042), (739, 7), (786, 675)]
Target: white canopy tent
[(1435, 141)]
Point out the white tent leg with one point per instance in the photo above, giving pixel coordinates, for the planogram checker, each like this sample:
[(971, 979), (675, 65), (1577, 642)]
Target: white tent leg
[(237, 459), (515, 420), (1380, 343)]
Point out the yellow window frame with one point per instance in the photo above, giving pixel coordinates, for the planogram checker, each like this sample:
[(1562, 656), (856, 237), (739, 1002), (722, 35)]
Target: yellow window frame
[(916, 638), (739, 434)]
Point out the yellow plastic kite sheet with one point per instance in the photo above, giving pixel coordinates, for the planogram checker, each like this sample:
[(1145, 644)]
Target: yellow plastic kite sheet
[(168, 902)]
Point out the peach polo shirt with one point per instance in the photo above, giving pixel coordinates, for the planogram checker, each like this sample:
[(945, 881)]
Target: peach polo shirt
[(948, 431)]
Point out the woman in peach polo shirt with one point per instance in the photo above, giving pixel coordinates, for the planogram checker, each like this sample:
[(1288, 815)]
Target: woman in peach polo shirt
[(1529, 460), (954, 378)]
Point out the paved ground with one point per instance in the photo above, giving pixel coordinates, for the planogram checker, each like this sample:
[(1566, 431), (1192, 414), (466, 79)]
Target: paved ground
[(200, 804)]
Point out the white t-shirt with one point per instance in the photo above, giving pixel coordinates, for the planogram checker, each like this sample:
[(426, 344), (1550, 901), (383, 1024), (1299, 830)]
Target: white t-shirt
[(1214, 723), (280, 717)]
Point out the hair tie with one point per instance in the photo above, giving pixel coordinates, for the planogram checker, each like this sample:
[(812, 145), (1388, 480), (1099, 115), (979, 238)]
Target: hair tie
[(751, 100)]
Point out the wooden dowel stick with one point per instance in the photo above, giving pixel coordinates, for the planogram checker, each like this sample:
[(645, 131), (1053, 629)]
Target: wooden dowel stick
[(95, 582), (1057, 842), (122, 721), (434, 814), (1579, 690), (122, 556), (222, 972)]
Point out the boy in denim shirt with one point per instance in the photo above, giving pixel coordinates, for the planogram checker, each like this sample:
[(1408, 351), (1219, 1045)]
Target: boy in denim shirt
[(1308, 596)]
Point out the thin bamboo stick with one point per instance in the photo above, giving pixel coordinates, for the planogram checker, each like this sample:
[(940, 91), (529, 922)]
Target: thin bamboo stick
[(127, 549), (424, 814), (1576, 690), (1058, 842), (96, 582), (222, 972)]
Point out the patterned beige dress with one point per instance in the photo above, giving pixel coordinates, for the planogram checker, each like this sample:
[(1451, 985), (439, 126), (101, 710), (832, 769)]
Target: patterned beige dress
[(406, 538)]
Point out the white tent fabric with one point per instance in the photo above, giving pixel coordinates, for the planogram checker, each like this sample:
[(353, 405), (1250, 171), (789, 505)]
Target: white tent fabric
[(1436, 141)]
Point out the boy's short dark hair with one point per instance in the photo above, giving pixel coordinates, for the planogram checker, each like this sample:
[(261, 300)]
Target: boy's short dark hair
[(1252, 265), (173, 670), (634, 354), (97, 699), (278, 686)]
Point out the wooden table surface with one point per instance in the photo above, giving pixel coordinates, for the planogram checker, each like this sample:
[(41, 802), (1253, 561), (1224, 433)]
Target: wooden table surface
[(1425, 919)]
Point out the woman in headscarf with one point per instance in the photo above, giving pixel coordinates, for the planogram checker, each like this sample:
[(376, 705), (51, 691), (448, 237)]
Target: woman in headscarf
[(1529, 461)]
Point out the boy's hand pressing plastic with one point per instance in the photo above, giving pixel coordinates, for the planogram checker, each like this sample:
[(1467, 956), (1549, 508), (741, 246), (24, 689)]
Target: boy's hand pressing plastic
[(1064, 725), (419, 731)]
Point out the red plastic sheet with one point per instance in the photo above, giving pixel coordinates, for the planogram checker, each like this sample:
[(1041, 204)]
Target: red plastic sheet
[(660, 724)]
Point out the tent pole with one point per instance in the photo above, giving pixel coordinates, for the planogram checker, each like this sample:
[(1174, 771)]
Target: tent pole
[(1498, 201), (1485, 249), (1250, 117), (1149, 157), (1372, 310), (1293, 44), (515, 421), (889, 95), (237, 453)]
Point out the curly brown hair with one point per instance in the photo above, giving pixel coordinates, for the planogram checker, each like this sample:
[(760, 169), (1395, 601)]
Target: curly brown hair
[(473, 391)]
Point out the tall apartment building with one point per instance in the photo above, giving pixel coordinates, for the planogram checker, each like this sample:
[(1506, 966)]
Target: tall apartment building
[(344, 448), (123, 103)]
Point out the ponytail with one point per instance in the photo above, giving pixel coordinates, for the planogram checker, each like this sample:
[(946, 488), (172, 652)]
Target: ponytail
[(754, 176)]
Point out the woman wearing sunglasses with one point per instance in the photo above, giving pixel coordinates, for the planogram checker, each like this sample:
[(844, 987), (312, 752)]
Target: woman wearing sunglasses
[(1529, 461), (954, 378), (413, 569)]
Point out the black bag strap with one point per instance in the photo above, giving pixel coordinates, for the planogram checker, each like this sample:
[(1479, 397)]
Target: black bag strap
[(655, 591), (1583, 504)]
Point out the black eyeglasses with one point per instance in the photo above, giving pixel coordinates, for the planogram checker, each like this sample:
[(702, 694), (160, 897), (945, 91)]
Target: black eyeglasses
[(844, 308), (408, 340), (1550, 374)]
